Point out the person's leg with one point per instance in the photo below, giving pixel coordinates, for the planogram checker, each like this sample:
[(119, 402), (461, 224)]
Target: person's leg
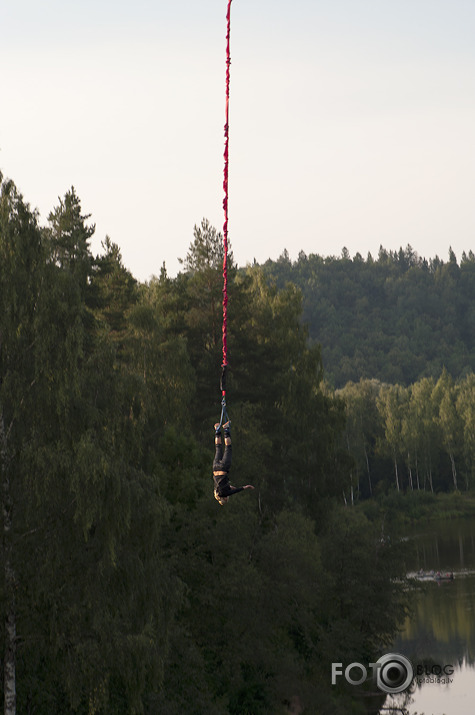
[(219, 450), (228, 450)]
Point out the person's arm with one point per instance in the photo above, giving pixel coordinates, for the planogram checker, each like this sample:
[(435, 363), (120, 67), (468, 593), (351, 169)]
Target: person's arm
[(235, 490)]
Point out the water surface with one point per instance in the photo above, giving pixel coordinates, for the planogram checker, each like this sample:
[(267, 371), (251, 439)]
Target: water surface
[(439, 636)]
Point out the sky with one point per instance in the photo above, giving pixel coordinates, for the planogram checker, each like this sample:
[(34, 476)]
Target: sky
[(352, 122)]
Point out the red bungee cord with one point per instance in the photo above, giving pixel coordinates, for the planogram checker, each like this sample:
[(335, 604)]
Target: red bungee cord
[(225, 207)]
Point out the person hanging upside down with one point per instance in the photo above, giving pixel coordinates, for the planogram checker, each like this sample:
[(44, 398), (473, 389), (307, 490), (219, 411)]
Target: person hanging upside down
[(222, 464)]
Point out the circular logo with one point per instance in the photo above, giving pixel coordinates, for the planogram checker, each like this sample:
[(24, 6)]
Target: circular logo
[(394, 673)]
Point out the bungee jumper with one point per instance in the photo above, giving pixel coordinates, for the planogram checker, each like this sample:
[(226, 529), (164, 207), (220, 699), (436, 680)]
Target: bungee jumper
[(222, 461), (222, 464)]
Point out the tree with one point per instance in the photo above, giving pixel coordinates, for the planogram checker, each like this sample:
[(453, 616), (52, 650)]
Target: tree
[(204, 263), (390, 405), (281, 375), (82, 569), (22, 297), (445, 397), (421, 408), (465, 406), (362, 425), (360, 558), (113, 293), (69, 237), (410, 433), (203, 284)]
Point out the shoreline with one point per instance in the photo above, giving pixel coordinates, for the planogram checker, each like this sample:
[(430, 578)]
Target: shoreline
[(413, 508)]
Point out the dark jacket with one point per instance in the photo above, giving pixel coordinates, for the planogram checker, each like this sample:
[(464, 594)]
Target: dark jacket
[(223, 487)]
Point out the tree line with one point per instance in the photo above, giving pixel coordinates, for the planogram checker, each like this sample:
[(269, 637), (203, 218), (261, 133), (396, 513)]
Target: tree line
[(124, 586), (397, 338), (397, 318), (419, 437)]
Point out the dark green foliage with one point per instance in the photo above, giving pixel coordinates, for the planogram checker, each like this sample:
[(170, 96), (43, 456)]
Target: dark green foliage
[(397, 318), (397, 336), (80, 541), (131, 589), (354, 546)]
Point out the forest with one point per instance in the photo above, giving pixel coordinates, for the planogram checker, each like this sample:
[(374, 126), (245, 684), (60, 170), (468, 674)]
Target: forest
[(397, 336), (426, 430), (397, 318), (124, 586)]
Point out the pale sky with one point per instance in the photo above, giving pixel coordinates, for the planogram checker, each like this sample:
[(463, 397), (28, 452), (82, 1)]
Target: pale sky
[(352, 122)]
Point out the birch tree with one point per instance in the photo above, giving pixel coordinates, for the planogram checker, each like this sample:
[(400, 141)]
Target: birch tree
[(445, 397), (465, 406), (390, 407)]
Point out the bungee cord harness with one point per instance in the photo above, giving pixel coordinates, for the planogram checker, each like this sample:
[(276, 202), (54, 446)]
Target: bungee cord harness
[(224, 366)]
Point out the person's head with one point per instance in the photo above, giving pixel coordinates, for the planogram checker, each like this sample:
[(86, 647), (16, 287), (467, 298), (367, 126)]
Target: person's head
[(220, 500)]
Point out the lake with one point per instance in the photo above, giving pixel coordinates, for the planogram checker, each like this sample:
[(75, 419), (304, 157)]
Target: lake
[(439, 636)]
